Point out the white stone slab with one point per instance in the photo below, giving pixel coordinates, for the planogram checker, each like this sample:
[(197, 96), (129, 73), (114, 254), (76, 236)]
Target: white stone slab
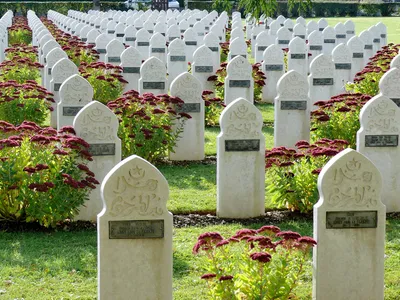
[(273, 66), (153, 77), (239, 80)]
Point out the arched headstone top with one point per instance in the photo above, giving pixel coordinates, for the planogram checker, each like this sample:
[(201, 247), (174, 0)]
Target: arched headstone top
[(329, 33), (76, 90), (130, 57), (297, 45), (158, 40), (292, 86), (350, 27), (134, 188), (63, 69), (395, 62), (187, 87), (114, 48), (88, 119), (322, 66), (315, 38), (177, 46), (380, 115), (211, 39), (143, 35), (341, 53), (356, 44), (241, 119), (239, 67), (202, 55), (153, 69), (349, 173), (273, 54), (55, 55), (389, 85)]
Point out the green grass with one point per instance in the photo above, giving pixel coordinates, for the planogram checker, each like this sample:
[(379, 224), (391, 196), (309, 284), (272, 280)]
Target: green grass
[(62, 265)]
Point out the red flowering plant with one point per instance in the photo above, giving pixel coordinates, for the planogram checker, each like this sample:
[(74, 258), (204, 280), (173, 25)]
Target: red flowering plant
[(18, 51), (20, 69), (19, 32), (24, 102), (291, 175), (338, 118), (219, 80), (367, 80), (213, 108), (106, 80), (253, 264), (43, 175), (149, 125)]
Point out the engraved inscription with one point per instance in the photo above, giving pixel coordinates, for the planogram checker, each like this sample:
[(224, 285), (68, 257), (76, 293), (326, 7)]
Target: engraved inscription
[(234, 55), (130, 39), (57, 86), (148, 85), (188, 108), (131, 70), (358, 55), (143, 44), (340, 36), (350, 32), (239, 83), (343, 66), (273, 67), (390, 140), (191, 43), (351, 219), (177, 58), (376, 40), (49, 71), (203, 69), (242, 145), (298, 56), (101, 51), (368, 47), (283, 42), (262, 48), (71, 111), (102, 149), (329, 41), (115, 59), (294, 105), (316, 47), (158, 50), (323, 81), (120, 34), (383, 35), (136, 229)]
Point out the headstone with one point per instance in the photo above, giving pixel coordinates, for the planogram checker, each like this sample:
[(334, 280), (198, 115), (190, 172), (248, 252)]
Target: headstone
[(321, 80), (203, 67), (378, 140), (75, 93), (273, 66), (212, 42), (191, 44), (389, 85), (173, 32), (158, 47), (153, 77), (114, 50), (311, 26), (199, 29), (160, 28), (292, 110), (142, 43), (341, 36), (176, 60), (101, 43), (283, 37), (356, 46), (134, 233), (350, 29), (329, 35), (239, 80), (383, 33), (349, 227), (120, 32), (342, 58), (376, 38), (52, 57), (366, 37), (98, 126), (190, 145), (297, 56), (300, 31), (289, 24), (240, 162), (62, 69), (301, 20), (237, 47), (263, 41), (130, 35), (395, 63), (315, 45), (131, 60), (322, 24), (92, 36)]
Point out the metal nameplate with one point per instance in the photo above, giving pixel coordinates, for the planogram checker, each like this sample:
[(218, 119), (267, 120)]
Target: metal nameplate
[(213, 49), (329, 41), (120, 34), (207, 28), (188, 108), (262, 48), (239, 83), (368, 47), (298, 56), (383, 36), (283, 42), (97, 26), (301, 36), (114, 59), (102, 149), (57, 86), (290, 29), (183, 30), (321, 29), (71, 111), (343, 66), (350, 32), (157, 85), (387, 140), (131, 70), (111, 31), (340, 36), (158, 50), (191, 43), (101, 51), (358, 55), (142, 44), (177, 58), (396, 100), (84, 39), (203, 69), (316, 47), (200, 34), (49, 71), (273, 67), (136, 229), (351, 219), (242, 145), (293, 105), (376, 40), (150, 31), (130, 39), (323, 81)]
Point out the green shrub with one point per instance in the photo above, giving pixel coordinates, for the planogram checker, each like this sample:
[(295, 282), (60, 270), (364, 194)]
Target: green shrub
[(19, 32), (213, 107), (291, 175), (43, 177), (149, 125), (253, 264)]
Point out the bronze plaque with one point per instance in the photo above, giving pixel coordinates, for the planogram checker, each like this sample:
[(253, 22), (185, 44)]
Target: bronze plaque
[(242, 145), (114, 59), (131, 70), (358, 55), (343, 66), (316, 47), (71, 111), (148, 85), (388, 140), (323, 81), (203, 69), (351, 219), (188, 108), (329, 41), (136, 229), (298, 56), (239, 83), (102, 149), (273, 67), (140, 44), (293, 105), (158, 50), (178, 58)]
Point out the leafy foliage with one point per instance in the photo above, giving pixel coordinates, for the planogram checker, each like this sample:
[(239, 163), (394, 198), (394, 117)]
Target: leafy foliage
[(213, 108)]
